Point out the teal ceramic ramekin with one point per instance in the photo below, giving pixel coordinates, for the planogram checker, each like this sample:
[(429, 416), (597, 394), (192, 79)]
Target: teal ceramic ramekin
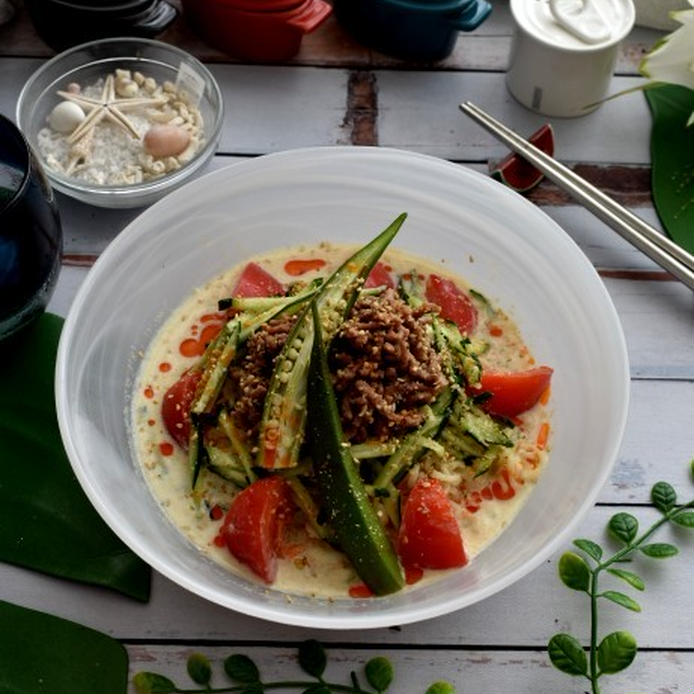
[(419, 30)]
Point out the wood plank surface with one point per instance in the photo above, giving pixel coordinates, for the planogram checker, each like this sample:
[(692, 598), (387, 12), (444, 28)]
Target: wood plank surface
[(419, 111), (501, 672), (525, 614)]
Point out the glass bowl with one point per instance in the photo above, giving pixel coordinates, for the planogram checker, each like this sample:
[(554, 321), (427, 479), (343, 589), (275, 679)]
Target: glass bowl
[(85, 64), (523, 261)]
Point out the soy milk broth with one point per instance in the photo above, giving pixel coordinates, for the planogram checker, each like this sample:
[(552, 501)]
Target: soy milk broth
[(483, 510)]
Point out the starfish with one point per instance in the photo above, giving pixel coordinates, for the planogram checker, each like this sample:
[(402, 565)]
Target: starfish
[(108, 106)]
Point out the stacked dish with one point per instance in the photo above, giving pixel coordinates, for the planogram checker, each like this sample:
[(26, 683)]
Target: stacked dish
[(259, 30), (64, 23)]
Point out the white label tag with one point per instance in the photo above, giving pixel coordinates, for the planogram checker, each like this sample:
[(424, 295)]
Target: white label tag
[(188, 81)]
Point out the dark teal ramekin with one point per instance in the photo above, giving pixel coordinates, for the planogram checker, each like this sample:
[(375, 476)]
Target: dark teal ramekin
[(418, 30)]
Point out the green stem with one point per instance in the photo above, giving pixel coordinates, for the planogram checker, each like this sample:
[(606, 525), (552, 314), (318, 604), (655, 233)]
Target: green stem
[(346, 688), (594, 674), (594, 595), (627, 549)]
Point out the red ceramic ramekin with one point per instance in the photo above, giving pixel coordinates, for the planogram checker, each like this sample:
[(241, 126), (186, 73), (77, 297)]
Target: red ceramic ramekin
[(263, 36)]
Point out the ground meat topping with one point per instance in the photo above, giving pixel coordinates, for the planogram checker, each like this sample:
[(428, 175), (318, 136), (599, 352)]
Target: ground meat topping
[(249, 378), (385, 367)]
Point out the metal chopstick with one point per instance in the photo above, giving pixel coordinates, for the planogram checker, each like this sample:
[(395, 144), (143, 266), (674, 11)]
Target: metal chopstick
[(632, 228)]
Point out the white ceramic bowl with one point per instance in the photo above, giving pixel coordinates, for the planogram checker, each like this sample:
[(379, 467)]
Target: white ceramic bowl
[(522, 260), (88, 62)]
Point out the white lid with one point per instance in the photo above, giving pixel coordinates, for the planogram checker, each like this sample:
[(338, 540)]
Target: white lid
[(575, 25)]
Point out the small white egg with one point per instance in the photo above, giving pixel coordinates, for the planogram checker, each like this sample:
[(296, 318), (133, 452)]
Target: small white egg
[(165, 140), (65, 117)]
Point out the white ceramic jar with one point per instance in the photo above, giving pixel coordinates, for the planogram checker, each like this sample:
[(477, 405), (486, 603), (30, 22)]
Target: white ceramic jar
[(564, 52)]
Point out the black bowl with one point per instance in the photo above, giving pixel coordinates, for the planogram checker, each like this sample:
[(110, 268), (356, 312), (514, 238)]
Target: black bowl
[(65, 23)]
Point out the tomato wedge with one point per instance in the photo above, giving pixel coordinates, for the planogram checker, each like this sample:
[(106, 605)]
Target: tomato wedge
[(255, 282), (429, 535), (252, 528), (455, 304), (176, 405), (379, 277), (514, 392)]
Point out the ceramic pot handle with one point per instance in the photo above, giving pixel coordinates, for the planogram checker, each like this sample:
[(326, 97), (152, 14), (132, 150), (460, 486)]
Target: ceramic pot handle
[(472, 15), (159, 16), (309, 18)]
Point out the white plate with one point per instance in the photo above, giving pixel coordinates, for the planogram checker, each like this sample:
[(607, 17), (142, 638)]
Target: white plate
[(503, 245)]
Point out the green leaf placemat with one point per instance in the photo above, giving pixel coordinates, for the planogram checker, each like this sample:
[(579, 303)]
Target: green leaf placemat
[(672, 159), (43, 653), (46, 521)]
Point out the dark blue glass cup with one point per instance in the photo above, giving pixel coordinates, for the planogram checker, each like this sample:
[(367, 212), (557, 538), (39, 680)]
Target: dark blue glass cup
[(31, 239)]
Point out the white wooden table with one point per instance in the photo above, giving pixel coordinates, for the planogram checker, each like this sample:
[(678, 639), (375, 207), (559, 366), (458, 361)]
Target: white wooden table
[(336, 92)]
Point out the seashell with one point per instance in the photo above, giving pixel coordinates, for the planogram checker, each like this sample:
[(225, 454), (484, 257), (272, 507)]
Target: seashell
[(74, 88), (65, 117), (165, 140), (127, 89)]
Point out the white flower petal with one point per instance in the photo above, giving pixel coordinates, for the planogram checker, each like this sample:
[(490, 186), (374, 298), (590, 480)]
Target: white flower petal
[(672, 59)]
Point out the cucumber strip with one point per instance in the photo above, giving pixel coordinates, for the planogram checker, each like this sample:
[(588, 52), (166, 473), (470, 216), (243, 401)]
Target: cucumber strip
[(218, 359), (306, 503), (250, 322), (482, 463), (373, 449), (411, 289), (464, 350), (354, 521), (412, 447), (226, 465), (284, 414), (484, 302), (461, 445), (197, 453), (239, 447), (261, 304)]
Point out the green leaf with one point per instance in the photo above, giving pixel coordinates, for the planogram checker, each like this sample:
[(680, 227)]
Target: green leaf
[(574, 571), (684, 518), (46, 521), (242, 669), (152, 683), (659, 550), (616, 651), (379, 673), (43, 653), (199, 669), (624, 527), (593, 550), (440, 687), (631, 578), (663, 496), (622, 599), (672, 161), (312, 658), (567, 654)]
